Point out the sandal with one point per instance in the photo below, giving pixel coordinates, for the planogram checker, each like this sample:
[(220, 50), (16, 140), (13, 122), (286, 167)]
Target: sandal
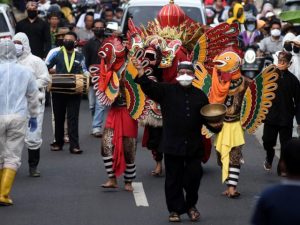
[(174, 217), (193, 214), (156, 174), (234, 195)]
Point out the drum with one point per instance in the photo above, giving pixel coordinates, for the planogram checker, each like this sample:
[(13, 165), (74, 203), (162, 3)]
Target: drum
[(69, 84)]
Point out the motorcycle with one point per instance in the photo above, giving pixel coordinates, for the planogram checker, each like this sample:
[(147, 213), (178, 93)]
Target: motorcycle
[(252, 64)]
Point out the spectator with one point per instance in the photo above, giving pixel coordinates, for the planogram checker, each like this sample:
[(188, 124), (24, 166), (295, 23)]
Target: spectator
[(109, 15), (221, 13), (119, 15), (90, 52), (86, 33), (279, 204), (266, 7), (250, 8), (37, 31), (272, 44), (53, 21)]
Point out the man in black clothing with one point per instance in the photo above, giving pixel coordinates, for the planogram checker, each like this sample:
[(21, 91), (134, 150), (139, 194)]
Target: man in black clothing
[(37, 30), (285, 106), (90, 52), (67, 61), (181, 142)]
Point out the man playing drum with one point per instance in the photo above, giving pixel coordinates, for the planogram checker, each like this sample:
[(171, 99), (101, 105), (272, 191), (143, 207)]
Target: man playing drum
[(67, 61)]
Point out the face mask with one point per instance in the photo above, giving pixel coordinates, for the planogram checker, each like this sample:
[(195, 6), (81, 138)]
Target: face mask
[(99, 32), (59, 42), (239, 13), (275, 32), (296, 49), (19, 49), (251, 27), (288, 47), (185, 80), (69, 45), (32, 14)]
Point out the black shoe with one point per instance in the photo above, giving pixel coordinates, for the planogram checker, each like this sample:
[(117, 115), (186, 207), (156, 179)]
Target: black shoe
[(267, 165), (56, 147), (76, 151), (34, 172)]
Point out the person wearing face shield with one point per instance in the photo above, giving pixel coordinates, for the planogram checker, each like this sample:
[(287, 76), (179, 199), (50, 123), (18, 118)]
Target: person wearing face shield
[(181, 143), (285, 107), (90, 52), (39, 69), (37, 31), (273, 43), (18, 98), (238, 15)]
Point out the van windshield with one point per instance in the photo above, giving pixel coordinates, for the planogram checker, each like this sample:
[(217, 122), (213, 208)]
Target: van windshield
[(143, 14), (3, 24)]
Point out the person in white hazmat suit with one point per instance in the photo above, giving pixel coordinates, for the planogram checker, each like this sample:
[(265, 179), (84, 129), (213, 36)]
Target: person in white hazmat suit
[(18, 96), (39, 69)]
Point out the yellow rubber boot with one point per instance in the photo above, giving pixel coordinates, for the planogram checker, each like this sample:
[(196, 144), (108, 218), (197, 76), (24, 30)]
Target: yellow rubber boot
[(1, 170), (7, 180)]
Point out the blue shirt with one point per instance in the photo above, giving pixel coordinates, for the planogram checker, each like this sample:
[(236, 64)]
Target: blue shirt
[(279, 205)]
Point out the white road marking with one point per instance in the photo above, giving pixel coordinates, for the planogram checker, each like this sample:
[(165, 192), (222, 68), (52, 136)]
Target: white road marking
[(139, 194)]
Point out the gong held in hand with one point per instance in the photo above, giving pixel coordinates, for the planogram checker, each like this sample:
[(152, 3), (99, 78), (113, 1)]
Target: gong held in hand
[(69, 84), (214, 115)]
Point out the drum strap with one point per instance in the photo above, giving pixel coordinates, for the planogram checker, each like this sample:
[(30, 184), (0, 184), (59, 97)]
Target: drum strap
[(68, 64)]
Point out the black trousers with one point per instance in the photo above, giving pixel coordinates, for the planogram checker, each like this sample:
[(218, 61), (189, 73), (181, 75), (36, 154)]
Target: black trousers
[(182, 174), (269, 138), (70, 104)]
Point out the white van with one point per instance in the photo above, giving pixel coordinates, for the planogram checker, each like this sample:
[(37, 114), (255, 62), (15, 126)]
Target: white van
[(142, 11), (7, 22)]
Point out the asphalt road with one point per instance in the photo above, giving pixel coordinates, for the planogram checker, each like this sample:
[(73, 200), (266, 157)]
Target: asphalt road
[(69, 192)]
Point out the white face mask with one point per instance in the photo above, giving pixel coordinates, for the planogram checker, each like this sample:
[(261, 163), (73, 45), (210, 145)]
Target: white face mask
[(275, 32), (19, 49), (185, 80)]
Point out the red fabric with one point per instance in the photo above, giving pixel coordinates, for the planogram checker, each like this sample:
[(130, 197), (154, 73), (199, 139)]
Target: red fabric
[(207, 149), (104, 77), (123, 125), (145, 137), (169, 74)]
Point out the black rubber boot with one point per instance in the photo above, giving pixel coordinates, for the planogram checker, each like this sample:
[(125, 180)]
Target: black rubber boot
[(33, 161)]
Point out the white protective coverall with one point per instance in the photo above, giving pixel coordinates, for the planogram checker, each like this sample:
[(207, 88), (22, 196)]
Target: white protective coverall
[(39, 69), (18, 96)]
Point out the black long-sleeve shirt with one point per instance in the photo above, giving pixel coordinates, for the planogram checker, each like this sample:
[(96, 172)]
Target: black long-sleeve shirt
[(286, 104), (38, 33), (182, 121), (90, 51)]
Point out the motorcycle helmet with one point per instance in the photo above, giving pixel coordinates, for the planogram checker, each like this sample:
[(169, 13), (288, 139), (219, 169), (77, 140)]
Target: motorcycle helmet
[(250, 24)]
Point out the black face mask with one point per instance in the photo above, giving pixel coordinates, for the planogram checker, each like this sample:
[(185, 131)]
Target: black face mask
[(99, 32), (288, 47), (69, 45), (239, 13), (296, 49), (59, 42), (32, 14)]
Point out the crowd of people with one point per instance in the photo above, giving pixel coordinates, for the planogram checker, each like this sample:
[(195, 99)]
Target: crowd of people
[(65, 42)]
